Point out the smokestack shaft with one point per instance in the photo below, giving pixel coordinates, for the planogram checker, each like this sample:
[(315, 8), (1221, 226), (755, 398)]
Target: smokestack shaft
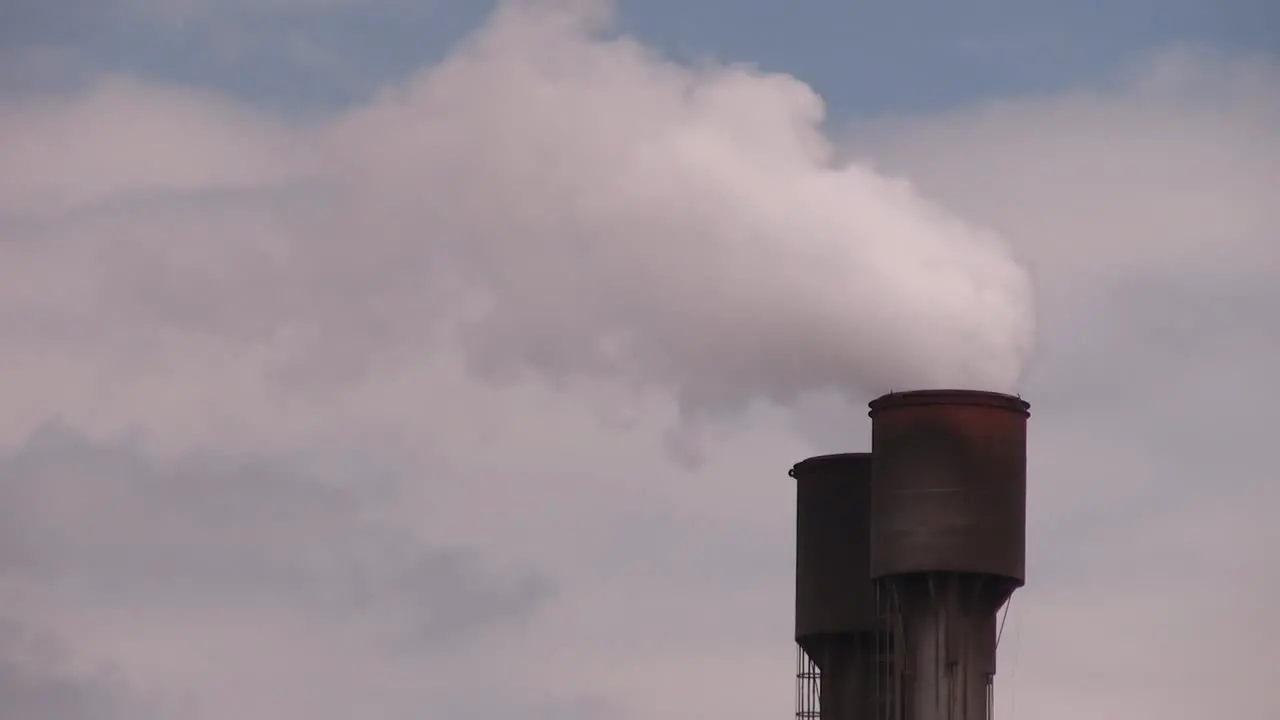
[(948, 642), (849, 676)]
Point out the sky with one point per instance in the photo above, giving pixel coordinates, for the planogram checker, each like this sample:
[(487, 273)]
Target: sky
[(396, 360)]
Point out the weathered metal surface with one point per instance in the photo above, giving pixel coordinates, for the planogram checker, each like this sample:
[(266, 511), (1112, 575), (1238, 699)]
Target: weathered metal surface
[(834, 593), (946, 662), (947, 542), (836, 614), (849, 672), (949, 484)]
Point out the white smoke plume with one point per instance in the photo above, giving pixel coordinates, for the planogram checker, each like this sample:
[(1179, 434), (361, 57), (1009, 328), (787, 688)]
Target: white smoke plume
[(559, 200), (684, 227)]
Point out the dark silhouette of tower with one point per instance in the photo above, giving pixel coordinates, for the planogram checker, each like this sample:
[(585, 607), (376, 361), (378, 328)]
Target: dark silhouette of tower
[(904, 556), (836, 614), (948, 529)]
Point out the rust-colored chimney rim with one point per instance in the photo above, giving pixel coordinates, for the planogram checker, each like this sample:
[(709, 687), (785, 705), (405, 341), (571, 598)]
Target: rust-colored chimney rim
[(970, 398), (817, 462)]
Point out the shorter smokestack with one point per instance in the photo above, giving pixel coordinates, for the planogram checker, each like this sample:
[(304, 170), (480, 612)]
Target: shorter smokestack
[(836, 615)]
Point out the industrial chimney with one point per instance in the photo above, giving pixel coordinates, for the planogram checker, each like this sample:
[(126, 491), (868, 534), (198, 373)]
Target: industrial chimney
[(947, 546), (836, 614)]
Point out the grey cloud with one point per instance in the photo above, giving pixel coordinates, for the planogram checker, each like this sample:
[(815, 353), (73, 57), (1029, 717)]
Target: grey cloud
[(36, 684), (457, 598), (498, 704), (577, 708), (110, 527)]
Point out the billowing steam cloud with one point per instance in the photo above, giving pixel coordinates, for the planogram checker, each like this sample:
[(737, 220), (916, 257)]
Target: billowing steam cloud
[(558, 201), (684, 227)]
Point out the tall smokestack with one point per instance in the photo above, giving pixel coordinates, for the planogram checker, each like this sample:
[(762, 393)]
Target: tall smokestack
[(836, 616), (948, 527)]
